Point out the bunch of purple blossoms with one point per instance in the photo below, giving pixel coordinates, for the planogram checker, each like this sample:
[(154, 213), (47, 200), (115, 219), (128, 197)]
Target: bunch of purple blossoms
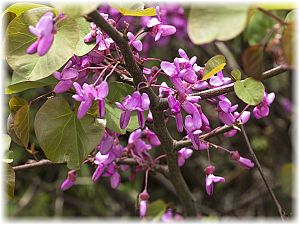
[(185, 75), (87, 94), (109, 150), (45, 31), (137, 102)]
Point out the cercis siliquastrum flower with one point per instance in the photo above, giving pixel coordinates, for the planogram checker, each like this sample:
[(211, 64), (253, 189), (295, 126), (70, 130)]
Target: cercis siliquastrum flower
[(157, 29), (137, 102), (262, 110), (45, 31), (211, 179), (87, 94), (69, 182), (183, 72)]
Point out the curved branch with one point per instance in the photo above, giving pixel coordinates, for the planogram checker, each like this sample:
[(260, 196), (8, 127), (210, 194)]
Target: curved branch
[(211, 93)]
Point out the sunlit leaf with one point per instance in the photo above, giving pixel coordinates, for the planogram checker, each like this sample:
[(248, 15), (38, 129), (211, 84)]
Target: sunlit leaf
[(213, 66), (133, 9), (277, 6), (62, 136), (209, 23), (250, 91)]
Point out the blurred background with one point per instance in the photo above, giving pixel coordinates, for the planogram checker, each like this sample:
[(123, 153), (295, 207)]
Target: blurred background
[(243, 195)]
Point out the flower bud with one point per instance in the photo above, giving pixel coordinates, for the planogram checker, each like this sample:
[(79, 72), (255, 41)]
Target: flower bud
[(209, 169)]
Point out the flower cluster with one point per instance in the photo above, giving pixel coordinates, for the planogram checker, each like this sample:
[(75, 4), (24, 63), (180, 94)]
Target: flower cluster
[(89, 75), (135, 102)]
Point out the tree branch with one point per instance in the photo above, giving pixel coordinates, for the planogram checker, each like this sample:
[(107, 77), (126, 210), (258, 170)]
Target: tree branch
[(219, 130), (167, 142), (211, 93), (276, 202)]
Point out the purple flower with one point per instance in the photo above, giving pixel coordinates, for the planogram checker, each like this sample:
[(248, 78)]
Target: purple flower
[(157, 29), (244, 162), (72, 175), (243, 119), (169, 216), (66, 78), (176, 111), (106, 143), (45, 31), (262, 110), (219, 80), (101, 94), (143, 202), (115, 180), (135, 102), (184, 154), (137, 44), (225, 110), (151, 137), (164, 90), (103, 41), (211, 179), (91, 36), (85, 95)]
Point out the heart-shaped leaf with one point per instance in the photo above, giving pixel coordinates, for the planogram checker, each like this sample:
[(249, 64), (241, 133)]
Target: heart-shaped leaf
[(21, 124), (250, 91), (209, 23), (62, 136)]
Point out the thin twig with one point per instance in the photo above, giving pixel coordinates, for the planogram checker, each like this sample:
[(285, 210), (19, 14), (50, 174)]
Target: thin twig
[(277, 18), (276, 202)]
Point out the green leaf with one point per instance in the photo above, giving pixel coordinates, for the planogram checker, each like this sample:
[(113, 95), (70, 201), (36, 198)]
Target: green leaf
[(19, 84), (21, 124), (156, 209), (15, 103), (77, 9), (213, 66), (235, 75), (277, 6), (8, 156), (259, 25), (83, 48), (250, 91), (19, 7), (9, 178), (133, 9), (286, 177), (18, 39), (209, 23), (252, 59), (10, 129), (62, 136), (288, 43)]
